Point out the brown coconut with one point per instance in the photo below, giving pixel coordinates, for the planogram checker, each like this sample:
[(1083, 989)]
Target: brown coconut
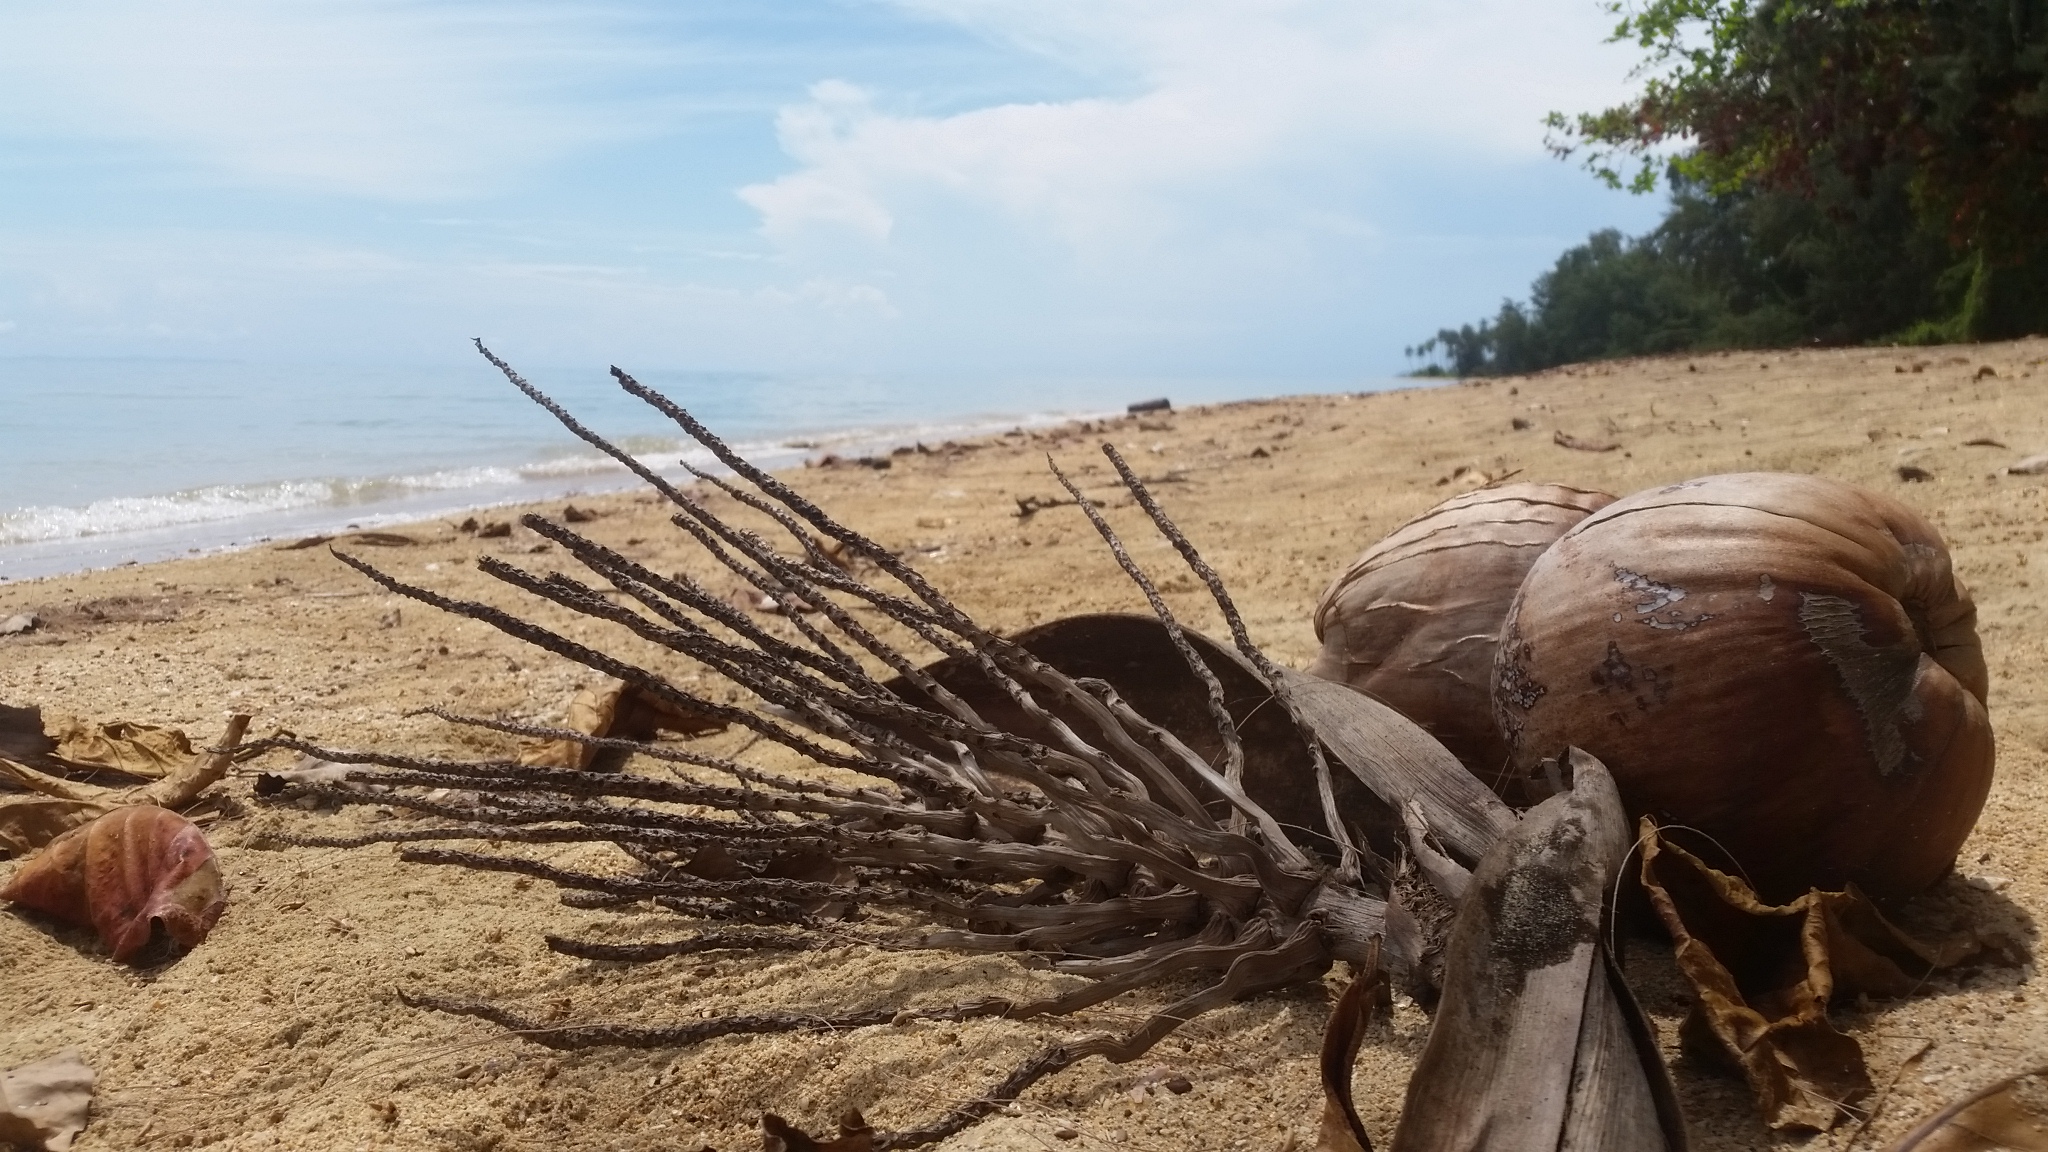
[(1785, 663), (1416, 618)]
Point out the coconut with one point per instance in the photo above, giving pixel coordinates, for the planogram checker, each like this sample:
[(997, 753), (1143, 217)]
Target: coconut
[(1785, 663), (1414, 621)]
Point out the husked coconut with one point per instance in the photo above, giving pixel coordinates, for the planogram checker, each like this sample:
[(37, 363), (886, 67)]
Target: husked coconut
[(1785, 663), (1416, 618)]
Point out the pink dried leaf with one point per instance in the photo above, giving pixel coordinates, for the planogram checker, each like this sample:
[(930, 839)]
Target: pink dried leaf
[(123, 874)]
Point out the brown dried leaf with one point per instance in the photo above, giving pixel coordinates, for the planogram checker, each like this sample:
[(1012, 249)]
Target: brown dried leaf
[(145, 750), (1996, 1118), (613, 708), (590, 713), (21, 733), (45, 1104), (25, 778), (1340, 1130), (1763, 975), (123, 874), (1538, 1045), (854, 1135), (29, 822), (1565, 439)]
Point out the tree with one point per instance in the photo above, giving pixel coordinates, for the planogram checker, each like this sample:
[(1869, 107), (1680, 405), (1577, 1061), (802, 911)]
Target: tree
[(1837, 101)]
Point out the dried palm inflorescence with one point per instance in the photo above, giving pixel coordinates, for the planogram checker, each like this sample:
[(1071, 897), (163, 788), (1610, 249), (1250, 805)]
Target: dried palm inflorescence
[(1007, 805), (1416, 618)]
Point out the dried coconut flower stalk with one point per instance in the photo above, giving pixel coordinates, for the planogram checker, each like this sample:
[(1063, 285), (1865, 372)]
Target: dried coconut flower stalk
[(1077, 830)]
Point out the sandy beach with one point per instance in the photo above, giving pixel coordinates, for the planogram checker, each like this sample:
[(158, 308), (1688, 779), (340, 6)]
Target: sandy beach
[(285, 1028)]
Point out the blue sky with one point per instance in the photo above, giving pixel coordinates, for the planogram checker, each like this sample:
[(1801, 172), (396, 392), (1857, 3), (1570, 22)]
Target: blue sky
[(974, 187)]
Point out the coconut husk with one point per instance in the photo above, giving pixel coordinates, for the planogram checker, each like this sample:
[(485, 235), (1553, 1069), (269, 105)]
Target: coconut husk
[(1389, 760), (1538, 1045), (1787, 663)]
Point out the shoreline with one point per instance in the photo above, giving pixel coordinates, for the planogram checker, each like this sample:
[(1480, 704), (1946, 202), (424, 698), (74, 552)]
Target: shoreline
[(377, 449), (586, 475)]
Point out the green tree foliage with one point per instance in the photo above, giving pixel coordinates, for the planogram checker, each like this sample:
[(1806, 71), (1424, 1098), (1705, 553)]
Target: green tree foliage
[(1840, 171)]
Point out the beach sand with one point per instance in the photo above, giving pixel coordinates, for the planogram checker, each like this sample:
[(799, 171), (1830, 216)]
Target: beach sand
[(285, 1028)]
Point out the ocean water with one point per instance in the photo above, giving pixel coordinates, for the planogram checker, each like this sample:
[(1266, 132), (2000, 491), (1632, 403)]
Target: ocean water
[(104, 462)]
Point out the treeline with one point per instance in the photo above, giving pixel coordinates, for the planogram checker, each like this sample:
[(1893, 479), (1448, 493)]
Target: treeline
[(1853, 172)]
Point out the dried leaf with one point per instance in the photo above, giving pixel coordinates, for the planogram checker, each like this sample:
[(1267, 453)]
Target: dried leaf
[(144, 750), (21, 734), (45, 1104), (1340, 1129), (590, 713), (29, 822), (44, 784), (613, 708), (854, 1136), (123, 874), (1565, 439), (1998, 1117), (1763, 975), (1537, 1045)]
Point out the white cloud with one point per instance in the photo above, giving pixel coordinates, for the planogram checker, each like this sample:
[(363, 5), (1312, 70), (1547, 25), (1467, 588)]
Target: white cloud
[(1220, 96), (280, 296), (381, 98)]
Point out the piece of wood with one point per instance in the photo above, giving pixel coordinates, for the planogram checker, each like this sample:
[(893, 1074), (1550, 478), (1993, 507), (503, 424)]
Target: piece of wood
[(1538, 1045), (1399, 762)]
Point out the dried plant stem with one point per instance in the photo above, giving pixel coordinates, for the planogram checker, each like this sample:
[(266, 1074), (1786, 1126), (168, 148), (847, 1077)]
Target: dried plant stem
[(1088, 838)]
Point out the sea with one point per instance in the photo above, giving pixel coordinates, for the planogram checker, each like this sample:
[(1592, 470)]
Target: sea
[(106, 462)]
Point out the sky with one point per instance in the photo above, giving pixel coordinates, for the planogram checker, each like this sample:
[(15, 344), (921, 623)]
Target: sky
[(1273, 188)]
